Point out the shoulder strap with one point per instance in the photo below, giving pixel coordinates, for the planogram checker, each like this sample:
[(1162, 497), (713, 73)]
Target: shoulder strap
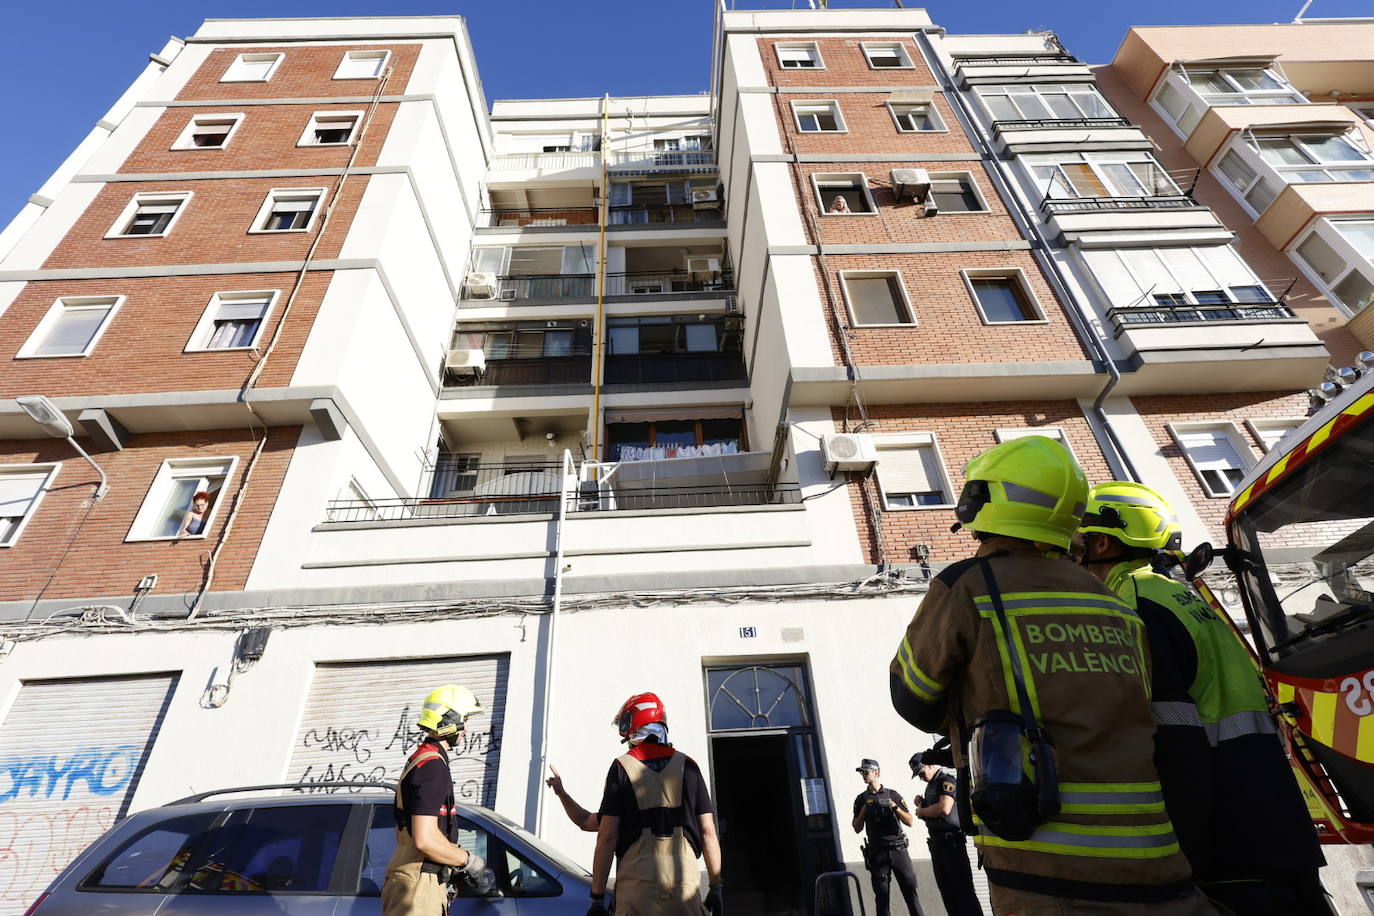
[(411, 764), (1013, 657)]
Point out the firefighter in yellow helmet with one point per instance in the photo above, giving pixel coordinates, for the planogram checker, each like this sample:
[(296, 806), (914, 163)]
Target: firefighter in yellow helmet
[(427, 858), (1230, 792), (1038, 673)]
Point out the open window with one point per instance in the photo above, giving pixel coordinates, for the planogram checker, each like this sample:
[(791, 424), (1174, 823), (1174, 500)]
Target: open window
[(149, 215), (915, 117), (911, 473), (288, 210), (1217, 454), (876, 297), (233, 321), (1003, 296), (1340, 254), (1269, 431), (818, 117), (253, 68), (72, 326), (331, 128), (887, 55), (843, 193), (362, 65), (208, 131), (799, 55), (183, 500), (22, 487), (956, 192)]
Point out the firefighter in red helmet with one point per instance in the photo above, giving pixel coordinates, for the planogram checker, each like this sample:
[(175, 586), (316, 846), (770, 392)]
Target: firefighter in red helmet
[(656, 820)]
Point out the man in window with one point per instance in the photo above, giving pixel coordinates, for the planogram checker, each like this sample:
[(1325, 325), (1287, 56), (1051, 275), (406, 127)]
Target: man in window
[(427, 855)]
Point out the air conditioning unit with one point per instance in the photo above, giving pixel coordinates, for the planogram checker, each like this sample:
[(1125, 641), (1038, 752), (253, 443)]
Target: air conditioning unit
[(506, 295), (465, 362), (732, 303), (481, 285), (706, 198), (913, 183), (705, 268), (848, 452)]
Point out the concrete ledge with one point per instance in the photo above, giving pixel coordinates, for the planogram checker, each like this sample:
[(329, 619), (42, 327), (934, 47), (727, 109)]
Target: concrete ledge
[(108, 434), (541, 554), (549, 516)]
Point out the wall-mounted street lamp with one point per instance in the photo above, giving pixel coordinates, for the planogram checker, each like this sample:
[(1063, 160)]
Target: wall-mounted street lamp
[(45, 414)]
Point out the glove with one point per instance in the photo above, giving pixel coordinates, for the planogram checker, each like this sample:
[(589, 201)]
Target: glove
[(715, 900), (476, 876), (598, 906)]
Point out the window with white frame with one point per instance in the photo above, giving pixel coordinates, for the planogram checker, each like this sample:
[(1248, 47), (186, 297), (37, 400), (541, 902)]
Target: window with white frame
[(1178, 105), (910, 472), (1344, 262), (818, 117), (1255, 189), (1053, 102), (799, 55), (208, 131), (183, 500), (330, 128), (1002, 296), (876, 297), (1106, 174), (1160, 284), (915, 117), (71, 327), (233, 320), (887, 55), (252, 68), (1271, 430), (1217, 454), (288, 210), (1314, 158), (362, 65), (149, 214), (956, 192), (843, 193), (1364, 110), (1049, 432), (1242, 86), (21, 490)]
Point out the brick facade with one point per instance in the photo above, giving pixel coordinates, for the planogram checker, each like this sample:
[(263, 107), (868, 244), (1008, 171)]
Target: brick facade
[(305, 72)]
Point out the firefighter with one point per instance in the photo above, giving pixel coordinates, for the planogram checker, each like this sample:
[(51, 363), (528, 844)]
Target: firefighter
[(1039, 674), (882, 812), (948, 850), (1230, 791), (656, 819), (427, 856)]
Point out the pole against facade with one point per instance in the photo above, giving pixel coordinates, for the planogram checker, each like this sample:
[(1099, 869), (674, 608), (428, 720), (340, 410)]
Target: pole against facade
[(55, 423), (569, 480)]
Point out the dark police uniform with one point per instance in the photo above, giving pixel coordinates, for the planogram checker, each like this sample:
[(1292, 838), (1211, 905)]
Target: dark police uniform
[(885, 852), (948, 855)]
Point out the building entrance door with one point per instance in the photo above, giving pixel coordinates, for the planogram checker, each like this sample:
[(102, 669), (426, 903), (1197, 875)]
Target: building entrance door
[(776, 824)]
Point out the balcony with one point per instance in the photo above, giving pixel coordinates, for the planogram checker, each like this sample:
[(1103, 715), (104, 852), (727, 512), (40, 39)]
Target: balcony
[(674, 367), (1233, 312), (575, 369), (643, 216), (1057, 205), (654, 161), (665, 282), (1000, 68), (539, 218), (1057, 123), (516, 168), (1139, 217)]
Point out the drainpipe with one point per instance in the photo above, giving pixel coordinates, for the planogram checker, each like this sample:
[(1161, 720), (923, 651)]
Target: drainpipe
[(551, 655), (1029, 225), (599, 326)]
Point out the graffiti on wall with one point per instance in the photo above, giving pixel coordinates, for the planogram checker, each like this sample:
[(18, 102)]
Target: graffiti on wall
[(96, 770)]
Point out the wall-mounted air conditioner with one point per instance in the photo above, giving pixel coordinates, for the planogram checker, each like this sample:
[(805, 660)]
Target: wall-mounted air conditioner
[(848, 452), (732, 303), (465, 362), (703, 268), (913, 183), (706, 198), (481, 285)]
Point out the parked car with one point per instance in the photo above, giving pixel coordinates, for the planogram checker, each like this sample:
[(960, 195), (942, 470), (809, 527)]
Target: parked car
[(296, 854)]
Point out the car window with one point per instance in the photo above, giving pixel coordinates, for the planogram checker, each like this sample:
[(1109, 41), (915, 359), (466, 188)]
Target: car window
[(381, 843), (154, 858), (526, 880), (272, 849)]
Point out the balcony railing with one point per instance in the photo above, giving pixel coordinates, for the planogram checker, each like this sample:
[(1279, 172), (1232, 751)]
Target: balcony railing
[(518, 218), (1055, 205), (1123, 319), (662, 214), (574, 369), (1013, 61), (517, 161), (674, 367), (652, 160), (649, 282), (546, 286), (1055, 123)]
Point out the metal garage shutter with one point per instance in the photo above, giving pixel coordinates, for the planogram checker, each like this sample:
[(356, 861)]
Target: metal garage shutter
[(71, 754), (359, 721), (980, 878)]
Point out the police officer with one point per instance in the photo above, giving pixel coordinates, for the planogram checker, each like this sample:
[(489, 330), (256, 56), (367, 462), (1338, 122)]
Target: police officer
[(1230, 791), (1041, 669), (881, 811), (948, 851), (427, 855)]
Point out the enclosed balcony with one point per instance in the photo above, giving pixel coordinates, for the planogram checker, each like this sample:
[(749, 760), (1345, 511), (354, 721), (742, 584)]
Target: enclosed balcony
[(520, 353), (670, 349), (1032, 117), (527, 274)]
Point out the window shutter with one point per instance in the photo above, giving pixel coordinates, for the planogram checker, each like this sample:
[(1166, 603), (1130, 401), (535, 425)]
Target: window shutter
[(1227, 266), (1116, 281), (910, 469), (149, 208), (294, 205), (18, 491), (795, 54), (1187, 266), (241, 310), (73, 331), (1152, 273), (874, 300), (1049, 432), (1211, 450)]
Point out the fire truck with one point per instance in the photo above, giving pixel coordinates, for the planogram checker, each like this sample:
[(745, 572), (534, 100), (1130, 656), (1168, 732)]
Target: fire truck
[(1300, 546)]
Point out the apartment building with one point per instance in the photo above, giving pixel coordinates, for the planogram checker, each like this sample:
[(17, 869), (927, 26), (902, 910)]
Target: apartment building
[(566, 399)]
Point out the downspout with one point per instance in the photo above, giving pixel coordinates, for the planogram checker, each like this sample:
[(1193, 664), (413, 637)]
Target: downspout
[(1029, 227), (551, 657), (599, 325)]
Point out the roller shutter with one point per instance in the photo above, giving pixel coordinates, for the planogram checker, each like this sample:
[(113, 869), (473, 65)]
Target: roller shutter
[(71, 755), (359, 721)]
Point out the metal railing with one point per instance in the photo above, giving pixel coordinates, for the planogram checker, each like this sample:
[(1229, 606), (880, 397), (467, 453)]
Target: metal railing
[(649, 282), (546, 286), (1053, 205), (1012, 61), (513, 161), (1146, 315), (573, 369), (661, 160), (1055, 123), (521, 218), (674, 367), (660, 214)]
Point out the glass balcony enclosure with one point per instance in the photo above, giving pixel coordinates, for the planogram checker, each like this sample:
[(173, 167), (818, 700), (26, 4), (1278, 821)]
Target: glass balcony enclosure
[(1186, 93), (1047, 102), (1256, 167), (1112, 180)]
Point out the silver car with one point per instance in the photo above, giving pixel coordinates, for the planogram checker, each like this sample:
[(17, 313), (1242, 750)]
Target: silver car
[(302, 855)]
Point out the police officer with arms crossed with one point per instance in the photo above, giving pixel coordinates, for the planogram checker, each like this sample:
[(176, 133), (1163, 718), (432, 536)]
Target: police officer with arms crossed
[(426, 855), (879, 810), (948, 850)]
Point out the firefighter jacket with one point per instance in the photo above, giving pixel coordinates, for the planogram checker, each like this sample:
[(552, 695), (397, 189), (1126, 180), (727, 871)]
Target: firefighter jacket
[(1230, 790), (1085, 658)]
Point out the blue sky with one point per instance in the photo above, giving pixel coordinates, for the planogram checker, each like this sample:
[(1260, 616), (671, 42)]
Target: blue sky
[(70, 59)]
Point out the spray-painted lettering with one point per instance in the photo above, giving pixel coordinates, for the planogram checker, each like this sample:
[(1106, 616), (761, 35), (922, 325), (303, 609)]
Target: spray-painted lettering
[(97, 771)]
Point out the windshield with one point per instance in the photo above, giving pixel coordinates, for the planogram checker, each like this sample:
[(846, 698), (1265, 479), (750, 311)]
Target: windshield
[(566, 865), (1310, 539)]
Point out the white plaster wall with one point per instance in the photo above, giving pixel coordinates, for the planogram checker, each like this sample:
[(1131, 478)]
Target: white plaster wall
[(829, 513), (36, 231), (124, 140), (803, 312)]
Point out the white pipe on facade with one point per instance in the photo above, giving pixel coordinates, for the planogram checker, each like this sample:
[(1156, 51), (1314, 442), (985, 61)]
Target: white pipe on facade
[(551, 657)]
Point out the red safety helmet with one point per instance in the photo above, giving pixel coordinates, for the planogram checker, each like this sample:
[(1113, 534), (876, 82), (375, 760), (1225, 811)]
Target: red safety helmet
[(638, 711)]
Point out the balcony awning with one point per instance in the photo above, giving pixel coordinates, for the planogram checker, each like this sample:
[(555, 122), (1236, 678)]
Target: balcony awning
[(1240, 60), (655, 415), (1331, 126)]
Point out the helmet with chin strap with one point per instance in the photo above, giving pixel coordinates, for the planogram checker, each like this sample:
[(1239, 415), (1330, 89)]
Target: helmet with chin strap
[(1029, 488), (447, 709), (1134, 514), (638, 711)]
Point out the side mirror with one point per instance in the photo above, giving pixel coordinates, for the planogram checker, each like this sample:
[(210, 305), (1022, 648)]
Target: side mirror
[(1198, 560)]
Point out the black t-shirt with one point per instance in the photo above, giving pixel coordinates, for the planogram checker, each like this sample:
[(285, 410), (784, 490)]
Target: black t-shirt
[(880, 818), (428, 790), (618, 800), (942, 784)]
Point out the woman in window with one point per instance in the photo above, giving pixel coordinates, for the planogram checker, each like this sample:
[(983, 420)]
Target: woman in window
[(839, 204), (193, 522)]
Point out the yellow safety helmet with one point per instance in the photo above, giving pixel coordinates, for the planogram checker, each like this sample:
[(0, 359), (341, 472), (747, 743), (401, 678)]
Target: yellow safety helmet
[(1134, 514), (447, 708), (1028, 488)]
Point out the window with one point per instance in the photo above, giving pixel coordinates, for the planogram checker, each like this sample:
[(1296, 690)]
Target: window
[(876, 297), (915, 118), (1049, 432), (288, 210), (183, 499), (362, 65), (658, 334), (1108, 174), (673, 434), (955, 192), (1269, 431), (71, 327), (818, 117), (233, 321), (843, 194), (156, 858), (1003, 297), (330, 128), (252, 68), (208, 131), (1057, 102), (887, 56), (1177, 106), (1259, 192), (1249, 86), (1138, 279), (910, 472), (1312, 159), (1216, 453), (21, 489), (270, 850), (149, 215), (1343, 273), (799, 55)]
